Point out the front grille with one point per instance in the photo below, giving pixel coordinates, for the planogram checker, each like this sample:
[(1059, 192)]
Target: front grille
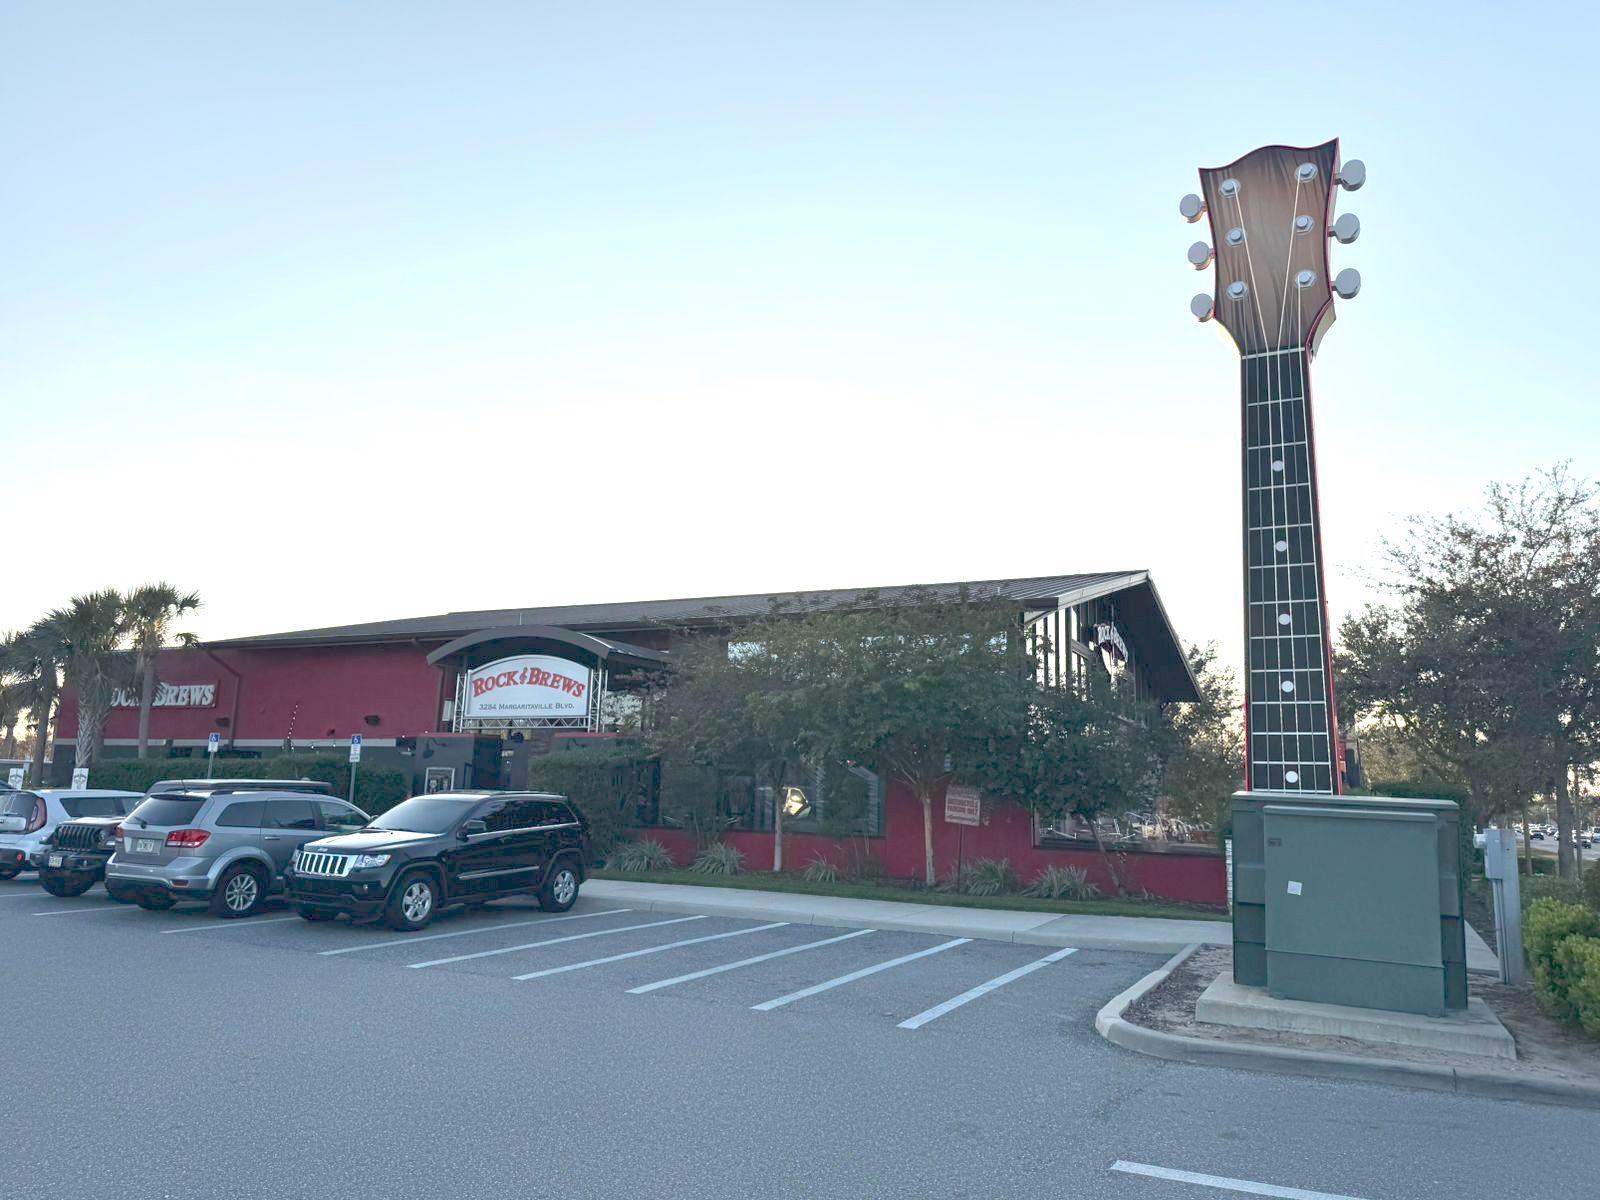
[(78, 837), (333, 866)]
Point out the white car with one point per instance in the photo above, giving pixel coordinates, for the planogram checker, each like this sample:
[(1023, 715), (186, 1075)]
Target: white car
[(27, 818)]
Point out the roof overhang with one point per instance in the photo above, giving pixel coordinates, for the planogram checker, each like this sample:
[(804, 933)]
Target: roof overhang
[(486, 644)]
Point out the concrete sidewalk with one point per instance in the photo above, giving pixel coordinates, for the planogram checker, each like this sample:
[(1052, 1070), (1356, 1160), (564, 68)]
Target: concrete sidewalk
[(1153, 935)]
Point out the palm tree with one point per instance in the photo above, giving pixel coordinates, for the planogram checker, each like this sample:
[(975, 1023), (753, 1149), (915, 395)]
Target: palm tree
[(89, 639), (151, 611), (30, 659)]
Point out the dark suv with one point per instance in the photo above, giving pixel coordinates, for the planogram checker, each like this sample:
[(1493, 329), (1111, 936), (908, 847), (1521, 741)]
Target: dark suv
[(444, 849)]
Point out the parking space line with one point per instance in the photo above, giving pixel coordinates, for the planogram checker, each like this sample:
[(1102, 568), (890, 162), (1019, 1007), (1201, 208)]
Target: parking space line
[(433, 937), (576, 937), (596, 962), (744, 962), (1224, 1184), (769, 1005), (247, 923), (61, 912), (983, 989)]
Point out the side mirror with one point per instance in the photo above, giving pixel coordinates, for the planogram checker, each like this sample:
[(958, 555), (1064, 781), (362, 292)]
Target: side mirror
[(468, 828)]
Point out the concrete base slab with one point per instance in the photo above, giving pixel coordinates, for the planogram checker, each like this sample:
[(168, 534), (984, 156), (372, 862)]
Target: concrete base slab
[(1476, 1031)]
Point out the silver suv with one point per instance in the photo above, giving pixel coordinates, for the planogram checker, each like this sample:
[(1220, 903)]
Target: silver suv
[(227, 846)]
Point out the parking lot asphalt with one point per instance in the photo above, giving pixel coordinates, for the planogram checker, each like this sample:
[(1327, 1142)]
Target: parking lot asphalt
[(609, 1051)]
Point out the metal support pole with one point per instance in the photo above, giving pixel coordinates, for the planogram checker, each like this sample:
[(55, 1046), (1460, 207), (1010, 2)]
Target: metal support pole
[(1500, 868)]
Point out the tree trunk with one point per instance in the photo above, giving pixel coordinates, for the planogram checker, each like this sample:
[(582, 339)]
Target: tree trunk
[(36, 779), (777, 830), (1527, 841), (1111, 868), (1566, 829), (927, 837), (91, 733), (147, 696)]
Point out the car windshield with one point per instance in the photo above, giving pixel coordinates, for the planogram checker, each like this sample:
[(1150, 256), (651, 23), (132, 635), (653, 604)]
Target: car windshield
[(423, 814), (95, 806), (167, 810)]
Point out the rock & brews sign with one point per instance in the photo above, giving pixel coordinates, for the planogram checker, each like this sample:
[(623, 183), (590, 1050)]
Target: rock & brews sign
[(527, 687)]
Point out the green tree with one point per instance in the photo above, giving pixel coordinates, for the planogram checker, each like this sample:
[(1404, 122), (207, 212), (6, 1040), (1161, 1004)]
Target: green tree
[(1489, 658), (89, 639), (1205, 765), (151, 611), (30, 657)]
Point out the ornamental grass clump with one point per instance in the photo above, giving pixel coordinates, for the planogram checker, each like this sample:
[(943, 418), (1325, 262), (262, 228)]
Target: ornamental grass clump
[(719, 858), (820, 870), (985, 877), (641, 856), (1063, 883)]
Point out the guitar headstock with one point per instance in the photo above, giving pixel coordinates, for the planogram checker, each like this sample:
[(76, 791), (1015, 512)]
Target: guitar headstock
[(1271, 215)]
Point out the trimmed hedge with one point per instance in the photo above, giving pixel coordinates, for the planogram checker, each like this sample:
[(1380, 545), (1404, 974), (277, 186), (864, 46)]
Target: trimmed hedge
[(378, 789), (1563, 945), (606, 782)]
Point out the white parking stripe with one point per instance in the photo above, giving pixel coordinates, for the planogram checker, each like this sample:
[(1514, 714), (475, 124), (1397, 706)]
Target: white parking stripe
[(596, 962), (983, 989), (576, 937), (87, 908), (768, 1005), (433, 937), (745, 962), (1224, 1184), (247, 923)]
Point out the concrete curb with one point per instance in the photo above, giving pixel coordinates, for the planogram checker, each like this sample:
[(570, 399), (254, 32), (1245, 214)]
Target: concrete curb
[(1285, 1060), (902, 917)]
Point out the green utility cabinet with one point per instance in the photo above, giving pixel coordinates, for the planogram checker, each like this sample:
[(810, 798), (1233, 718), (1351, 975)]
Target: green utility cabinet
[(1349, 900)]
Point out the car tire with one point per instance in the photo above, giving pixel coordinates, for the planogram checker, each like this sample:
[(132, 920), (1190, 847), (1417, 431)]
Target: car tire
[(412, 903), (316, 914), (239, 892), (560, 890), (64, 885), (155, 901), (119, 894), (10, 872)]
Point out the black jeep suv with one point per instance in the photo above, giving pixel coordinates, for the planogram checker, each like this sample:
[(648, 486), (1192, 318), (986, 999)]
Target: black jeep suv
[(448, 848)]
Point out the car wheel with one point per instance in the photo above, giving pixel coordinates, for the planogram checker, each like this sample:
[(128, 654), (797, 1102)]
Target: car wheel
[(65, 885), (560, 890), (119, 894), (238, 893), (155, 901), (412, 903), (316, 914), (10, 871)]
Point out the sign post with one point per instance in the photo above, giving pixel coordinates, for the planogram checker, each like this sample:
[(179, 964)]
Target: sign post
[(962, 807), (212, 742), (355, 757)]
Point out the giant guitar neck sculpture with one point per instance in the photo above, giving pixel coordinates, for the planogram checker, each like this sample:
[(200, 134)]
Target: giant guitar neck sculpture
[(1271, 215)]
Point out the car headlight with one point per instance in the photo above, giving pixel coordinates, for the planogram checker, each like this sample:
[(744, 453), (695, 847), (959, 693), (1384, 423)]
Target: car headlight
[(365, 861)]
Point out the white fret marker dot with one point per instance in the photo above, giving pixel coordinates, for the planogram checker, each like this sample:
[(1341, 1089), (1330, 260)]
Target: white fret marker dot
[(1288, 685), (1291, 776), (1283, 618), (1280, 546), (1277, 464)]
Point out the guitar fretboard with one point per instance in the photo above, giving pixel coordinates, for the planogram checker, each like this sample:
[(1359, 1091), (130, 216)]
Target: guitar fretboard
[(1290, 746)]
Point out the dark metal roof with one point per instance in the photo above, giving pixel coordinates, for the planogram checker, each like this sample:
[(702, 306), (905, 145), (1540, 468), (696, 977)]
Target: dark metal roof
[(1160, 648), (603, 649)]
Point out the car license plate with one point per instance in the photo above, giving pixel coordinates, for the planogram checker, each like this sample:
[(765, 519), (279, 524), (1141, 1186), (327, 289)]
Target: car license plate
[(145, 846), (55, 860)]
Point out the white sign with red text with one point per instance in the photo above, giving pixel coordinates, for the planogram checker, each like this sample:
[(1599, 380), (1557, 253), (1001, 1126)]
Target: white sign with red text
[(527, 687)]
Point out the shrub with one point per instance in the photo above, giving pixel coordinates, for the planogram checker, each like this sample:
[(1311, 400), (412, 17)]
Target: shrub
[(606, 783), (984, 877), (378, 789), (1063, 883), (1591, 886), (1546, 926), (639, 857), (865, 867), (1579, 961), (820, 870), (1550, 887), (719, 858)]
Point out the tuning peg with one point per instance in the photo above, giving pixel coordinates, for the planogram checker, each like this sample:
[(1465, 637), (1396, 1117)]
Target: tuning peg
[(1347, 229), (1192, 208), (1347, 283), (1201, 307), (1352, 175), (1200, 255)]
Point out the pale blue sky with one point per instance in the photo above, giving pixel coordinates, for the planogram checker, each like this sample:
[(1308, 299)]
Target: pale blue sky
[(457, 305)]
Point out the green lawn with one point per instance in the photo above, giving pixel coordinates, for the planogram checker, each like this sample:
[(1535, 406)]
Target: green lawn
[(870, 891)]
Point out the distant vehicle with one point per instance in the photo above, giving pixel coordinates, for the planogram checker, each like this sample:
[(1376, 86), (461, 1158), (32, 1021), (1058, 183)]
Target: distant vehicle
[(445, 849), (241, 785), (227, 846), (27, 818)]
